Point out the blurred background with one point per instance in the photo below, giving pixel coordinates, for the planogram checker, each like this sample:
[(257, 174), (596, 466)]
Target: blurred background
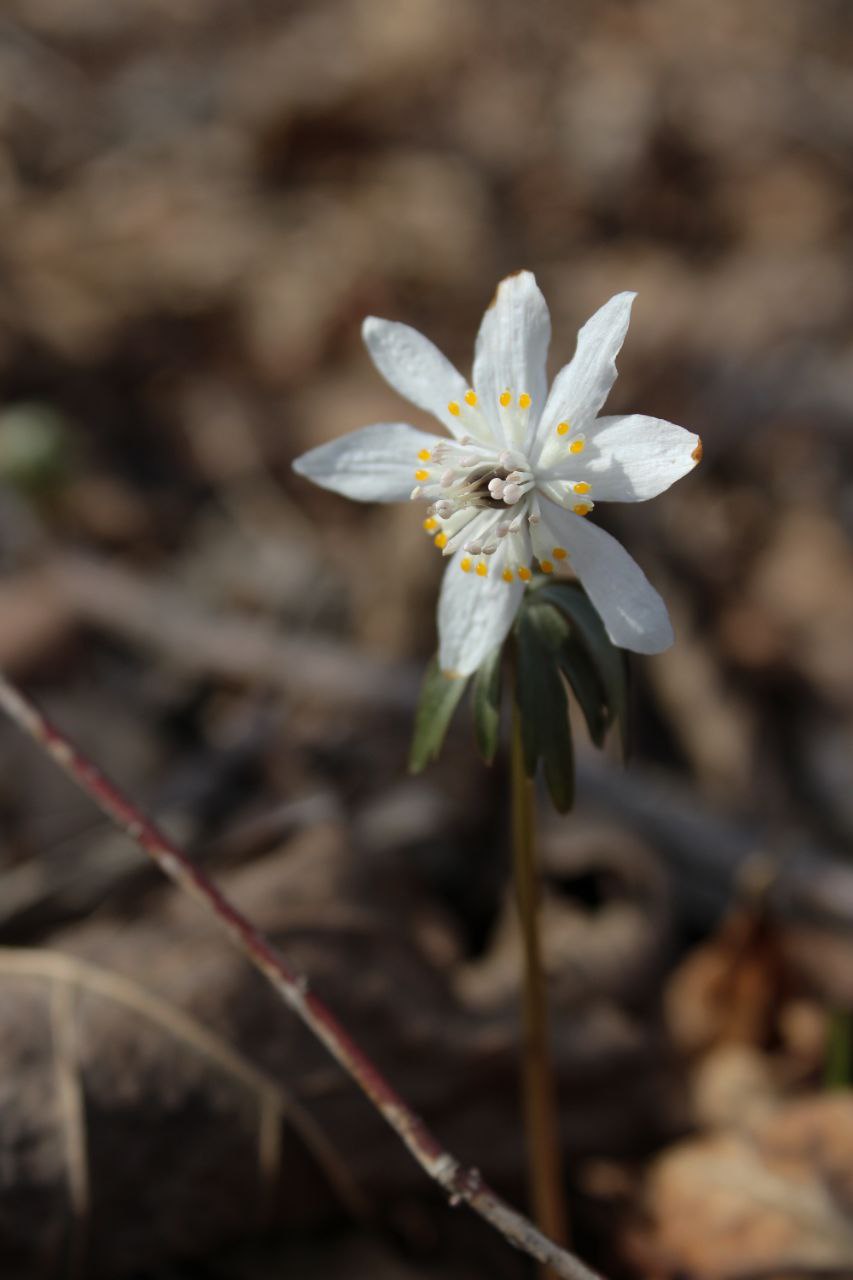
[(198, 204)]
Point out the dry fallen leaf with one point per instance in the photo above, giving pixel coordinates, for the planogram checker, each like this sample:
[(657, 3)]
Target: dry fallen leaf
[(774, 1199), (730, 989)]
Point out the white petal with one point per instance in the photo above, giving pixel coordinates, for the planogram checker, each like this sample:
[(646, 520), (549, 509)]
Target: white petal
[(415, 368), (375, 464), (512, 346), (581, 387), (474, 615), (630, 459), (632, 611)]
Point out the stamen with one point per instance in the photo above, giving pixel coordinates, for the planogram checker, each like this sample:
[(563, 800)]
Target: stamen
[(559, 553), (482, 569), (424, 455), (430, 524), (496, 488), (453, 408), (503, 529), (581, 487), (447, 478), (421, 474), (473, 548), (416, 493), (524, 400), (490, 549), (582, 509), (534, 517), (546, 566), (511, 494), (443, 509), (524, 573), (471, 398), (563, 428), (440, 540), (465, 565), (505, 398)]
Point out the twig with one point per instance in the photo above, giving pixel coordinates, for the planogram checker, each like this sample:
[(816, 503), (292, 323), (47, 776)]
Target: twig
[(226, 644), (460, 1183), (708, 852)]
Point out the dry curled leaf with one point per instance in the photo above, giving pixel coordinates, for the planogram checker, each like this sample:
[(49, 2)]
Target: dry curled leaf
[(777, 1199)]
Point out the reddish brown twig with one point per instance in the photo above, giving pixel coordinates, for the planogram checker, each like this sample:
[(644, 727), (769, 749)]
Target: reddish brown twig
[(461, 1184)]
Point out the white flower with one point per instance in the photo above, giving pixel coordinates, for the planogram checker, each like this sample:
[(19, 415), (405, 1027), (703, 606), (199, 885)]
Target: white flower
[(520, 471)]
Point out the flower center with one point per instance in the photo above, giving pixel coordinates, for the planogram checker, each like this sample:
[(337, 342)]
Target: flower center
[(480, 501), (481, 489)]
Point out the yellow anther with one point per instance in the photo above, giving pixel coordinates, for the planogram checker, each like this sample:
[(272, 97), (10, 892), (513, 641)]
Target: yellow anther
[(505, 398), (424, 455), (507, 575), (440, 541), (582, 509), (453, 408), (421, 474), (471, 398), (524, 573), (465, 565), (546, 566), (581, 487), (563, 428), (524, 400), (482, 569), (576, 446), (559, 553), (430, 524)]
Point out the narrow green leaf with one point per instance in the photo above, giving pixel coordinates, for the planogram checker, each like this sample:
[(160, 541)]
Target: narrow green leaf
[(440, 696), (486, 704), (608, 660), (838, 1066), (542, 701)]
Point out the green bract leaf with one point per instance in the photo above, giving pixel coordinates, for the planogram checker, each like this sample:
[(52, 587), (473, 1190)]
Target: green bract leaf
[(607, 660), (440, 696), (542, 701), (583, 676), (486, 704), (34, 446)]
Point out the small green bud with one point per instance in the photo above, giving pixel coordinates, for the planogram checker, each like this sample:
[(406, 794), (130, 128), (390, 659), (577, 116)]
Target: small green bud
[(33, 446)]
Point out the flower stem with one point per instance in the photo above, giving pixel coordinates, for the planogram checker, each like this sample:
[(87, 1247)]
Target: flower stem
[(539, 1091)]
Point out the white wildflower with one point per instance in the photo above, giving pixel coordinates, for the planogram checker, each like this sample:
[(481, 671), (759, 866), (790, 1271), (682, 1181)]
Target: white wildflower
[(521, 470)]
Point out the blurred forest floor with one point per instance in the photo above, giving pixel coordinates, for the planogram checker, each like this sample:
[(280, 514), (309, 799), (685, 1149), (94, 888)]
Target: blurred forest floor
[(198, 204)]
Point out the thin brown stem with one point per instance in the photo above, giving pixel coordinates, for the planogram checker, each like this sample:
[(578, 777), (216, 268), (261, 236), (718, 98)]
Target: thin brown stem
[(460, 1183), (541, 1113)]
